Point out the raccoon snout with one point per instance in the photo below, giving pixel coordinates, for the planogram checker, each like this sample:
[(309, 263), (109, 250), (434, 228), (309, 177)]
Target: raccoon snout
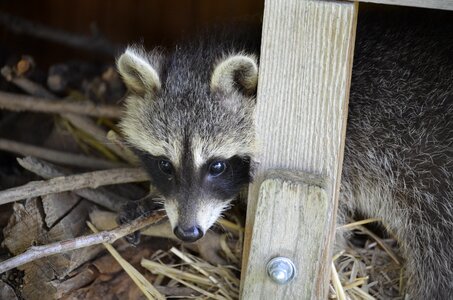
[(189, 235)]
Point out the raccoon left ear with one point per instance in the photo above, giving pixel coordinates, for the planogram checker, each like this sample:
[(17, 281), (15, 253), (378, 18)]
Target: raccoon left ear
[(139, 71), (236, 73)]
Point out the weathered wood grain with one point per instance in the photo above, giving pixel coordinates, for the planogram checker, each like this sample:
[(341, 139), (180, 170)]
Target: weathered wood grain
[(435, 4), (303, 90), (297, 230)]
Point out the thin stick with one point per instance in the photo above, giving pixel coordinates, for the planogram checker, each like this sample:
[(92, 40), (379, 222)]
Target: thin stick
[(208, 247), (90, 127), (176, 292), (188, 260), (82, 122), (192, 286), (357, 223), (94, 43), (17, 102), (381, 243), (37, 252), (41, 168), (156, 268), (337, 284), (73, 182), (26, 84), (143, 284), (100, 196), (129, 156), (69, 159)]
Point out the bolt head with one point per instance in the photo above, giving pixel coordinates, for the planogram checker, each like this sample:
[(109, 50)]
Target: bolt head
[(281, 270)]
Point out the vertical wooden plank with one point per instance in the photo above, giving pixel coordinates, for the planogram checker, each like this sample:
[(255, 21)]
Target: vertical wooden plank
[(305, 70)]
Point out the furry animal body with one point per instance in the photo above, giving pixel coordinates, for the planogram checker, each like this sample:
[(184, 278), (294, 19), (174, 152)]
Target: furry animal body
[(189, 116)]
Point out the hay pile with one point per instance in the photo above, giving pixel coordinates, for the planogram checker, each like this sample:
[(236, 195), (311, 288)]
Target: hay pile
[(371, 270)]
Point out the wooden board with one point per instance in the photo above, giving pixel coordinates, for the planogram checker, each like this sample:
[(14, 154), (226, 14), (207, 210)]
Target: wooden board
[(435, 4), (305, 70), (301, 226)]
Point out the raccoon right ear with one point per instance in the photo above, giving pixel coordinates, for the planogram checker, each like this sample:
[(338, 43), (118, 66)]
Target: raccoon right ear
[(137, 71), (236, 73)]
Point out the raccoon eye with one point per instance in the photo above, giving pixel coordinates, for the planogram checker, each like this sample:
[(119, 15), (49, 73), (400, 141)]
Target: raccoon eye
[(217, 168), (165, 167)]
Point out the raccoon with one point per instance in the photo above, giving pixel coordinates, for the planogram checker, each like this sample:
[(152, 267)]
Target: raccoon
[(189, 117)]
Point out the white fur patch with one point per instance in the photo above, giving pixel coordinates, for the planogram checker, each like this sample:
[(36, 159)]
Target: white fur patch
[(197, 149), (210, 212), (222, 147), (134, 126), (171, 208), (207, 214)]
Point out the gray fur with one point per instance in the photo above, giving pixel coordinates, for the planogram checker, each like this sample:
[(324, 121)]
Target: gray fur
[(398, 158), (398, 163), (190, 121)]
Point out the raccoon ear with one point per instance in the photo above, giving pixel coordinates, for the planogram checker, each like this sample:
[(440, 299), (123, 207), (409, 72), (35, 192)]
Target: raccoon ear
[(236, 73), (138, 72)]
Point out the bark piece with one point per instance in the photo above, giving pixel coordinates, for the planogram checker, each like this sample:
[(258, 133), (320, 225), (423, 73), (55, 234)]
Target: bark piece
[(28, 226), (7, 292), (57, 205)]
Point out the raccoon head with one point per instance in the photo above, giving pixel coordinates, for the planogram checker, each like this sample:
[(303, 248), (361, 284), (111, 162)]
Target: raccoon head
[(192, 126)]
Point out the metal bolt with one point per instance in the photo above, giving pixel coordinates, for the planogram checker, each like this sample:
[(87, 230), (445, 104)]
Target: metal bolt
[(281, 270)]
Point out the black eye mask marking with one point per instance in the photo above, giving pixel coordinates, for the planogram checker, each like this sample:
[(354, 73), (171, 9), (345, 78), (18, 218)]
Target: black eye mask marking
[(228, 183), (160, 170), (218, 178)]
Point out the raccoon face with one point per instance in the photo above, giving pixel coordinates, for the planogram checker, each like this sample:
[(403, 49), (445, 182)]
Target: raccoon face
[(192, 126)]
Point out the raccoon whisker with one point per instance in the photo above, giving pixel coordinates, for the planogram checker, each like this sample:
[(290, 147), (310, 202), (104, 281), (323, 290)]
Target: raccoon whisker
[(211, 229), (227, 206), (160, 200)]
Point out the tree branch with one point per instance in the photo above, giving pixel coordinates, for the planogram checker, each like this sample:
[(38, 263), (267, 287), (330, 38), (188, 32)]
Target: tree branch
[(68, 159), (73, 182), (17, 102), (209, 247), (100, 196), (37, 252), (82, 122), (95, 43), (90, 127)]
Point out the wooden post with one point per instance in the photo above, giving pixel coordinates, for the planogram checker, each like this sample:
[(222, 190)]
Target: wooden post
[(305, 70)]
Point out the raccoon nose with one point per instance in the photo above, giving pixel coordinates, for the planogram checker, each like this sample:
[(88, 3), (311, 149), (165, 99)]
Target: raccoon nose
[(189, 235)]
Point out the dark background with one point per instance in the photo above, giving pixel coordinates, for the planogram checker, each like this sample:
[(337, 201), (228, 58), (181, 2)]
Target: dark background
[(153, 22)]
